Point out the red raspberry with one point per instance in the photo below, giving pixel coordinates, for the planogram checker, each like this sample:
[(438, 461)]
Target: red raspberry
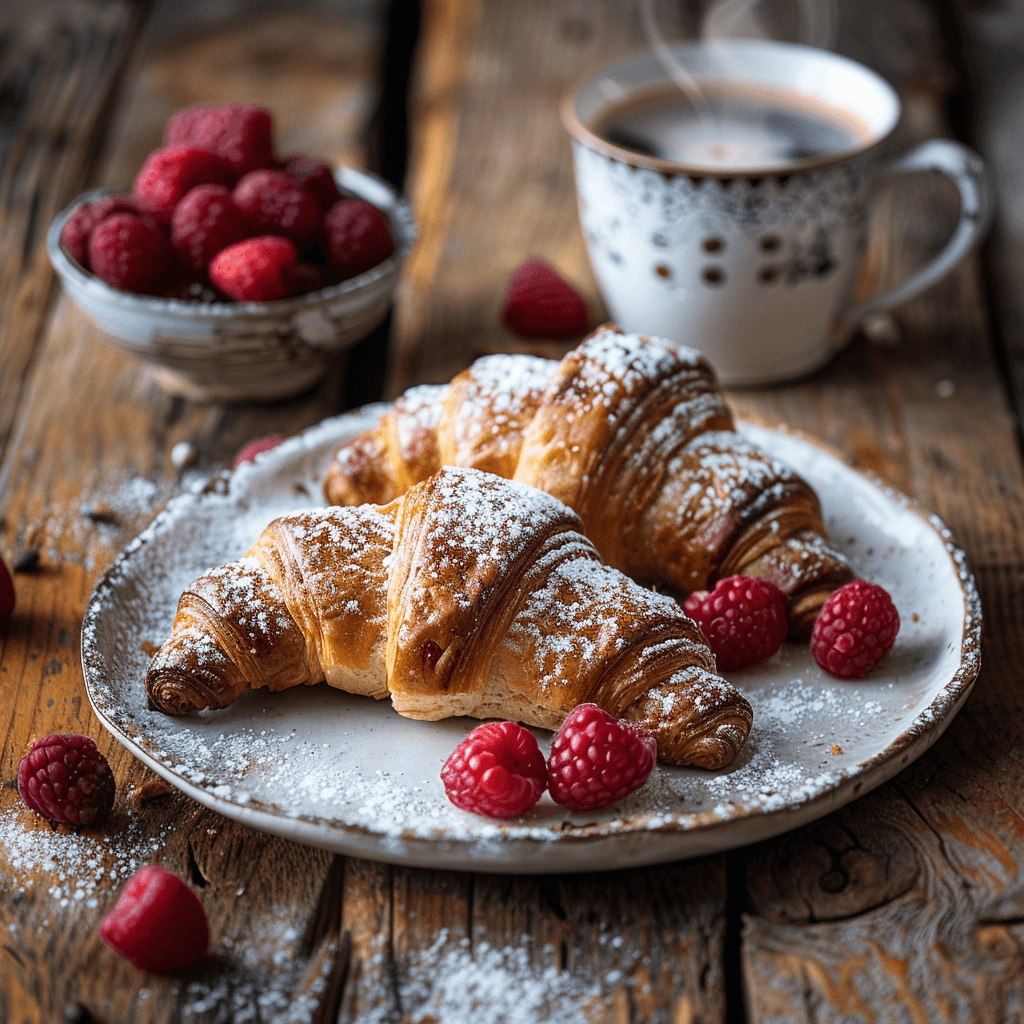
[(309, 277), (743, 620), (204, 222), (358, 237), (181, 282), (241, 133), (169, 173), (65, 778), (128, 253), (259, 269), (79, 226), (157, 923), (253, 448), (7, 600), (316, 176), (539, 304), (278, 204), (854, 630), (497, 770), (597, 759)]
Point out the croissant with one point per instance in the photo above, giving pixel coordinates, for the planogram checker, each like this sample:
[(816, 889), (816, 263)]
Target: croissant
[(635, 436), (469, 595)]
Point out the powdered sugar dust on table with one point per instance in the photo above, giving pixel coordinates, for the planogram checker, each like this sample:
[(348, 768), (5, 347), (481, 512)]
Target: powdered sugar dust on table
[(346, 773)]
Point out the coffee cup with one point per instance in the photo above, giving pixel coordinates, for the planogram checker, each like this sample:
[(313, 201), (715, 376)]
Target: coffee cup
[(732, 214)]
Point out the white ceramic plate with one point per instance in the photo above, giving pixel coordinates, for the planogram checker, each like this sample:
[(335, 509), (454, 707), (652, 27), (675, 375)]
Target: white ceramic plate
[(348, 774)]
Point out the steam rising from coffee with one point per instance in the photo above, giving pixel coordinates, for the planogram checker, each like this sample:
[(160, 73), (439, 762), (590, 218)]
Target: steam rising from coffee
[(723, 128)]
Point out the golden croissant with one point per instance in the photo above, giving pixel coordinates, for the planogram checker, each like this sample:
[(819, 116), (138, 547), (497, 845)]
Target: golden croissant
[(469, 595), (635, 436)]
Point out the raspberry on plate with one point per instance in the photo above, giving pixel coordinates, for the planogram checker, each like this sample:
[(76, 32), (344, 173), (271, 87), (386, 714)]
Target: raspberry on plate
[(316, 176), (597, 759), (358, 237), (539, 304), (170, 172), (277, 203), (65, 778), (497, 770), (204, 222), (128, 253), (240, 133), (157, 923), (743, 620), (7, 598), (259, 269), (253, 448), (854, 630)]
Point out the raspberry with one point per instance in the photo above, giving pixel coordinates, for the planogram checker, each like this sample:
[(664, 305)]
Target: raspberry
[(253, 448), (278, 204), (128, 253), (157, 923), (204, 222), (79, 226), (597, 759), (181, 282), (358, 237), (854, 630), (170, 172), (6, 595), (259, 269), (65, 778), (539, 304), (316, 176), (743, 620), (497, 770), (240, 133), (309, 277)]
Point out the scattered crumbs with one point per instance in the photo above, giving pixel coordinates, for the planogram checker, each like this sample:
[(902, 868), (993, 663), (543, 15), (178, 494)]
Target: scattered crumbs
[(914, 617), (149, 647), (835, 749)]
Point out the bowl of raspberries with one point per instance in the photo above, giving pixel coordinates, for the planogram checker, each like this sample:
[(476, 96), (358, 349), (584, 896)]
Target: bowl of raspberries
[(235, 272)]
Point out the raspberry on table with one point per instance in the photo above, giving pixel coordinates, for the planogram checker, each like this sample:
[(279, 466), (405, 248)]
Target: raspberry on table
[(169, 173), (253, 448), (240, 133), (276, 203), (157, 923), (497, 770), (259, 269), (128, 253), (74, 236), (539, 304), (358, 237), (204, 222), (854, 630), (597, 759), (7, 596), (65, 778), (744, 620), (316, 176)]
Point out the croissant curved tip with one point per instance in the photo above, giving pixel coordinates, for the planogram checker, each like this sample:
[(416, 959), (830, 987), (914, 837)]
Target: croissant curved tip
[(174, 692)]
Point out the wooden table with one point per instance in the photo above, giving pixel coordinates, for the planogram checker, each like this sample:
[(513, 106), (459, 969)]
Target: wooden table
[(907, 905)]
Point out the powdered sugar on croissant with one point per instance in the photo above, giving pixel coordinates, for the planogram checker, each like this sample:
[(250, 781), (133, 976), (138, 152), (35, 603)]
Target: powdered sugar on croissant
[(634, 435), (471, 595)]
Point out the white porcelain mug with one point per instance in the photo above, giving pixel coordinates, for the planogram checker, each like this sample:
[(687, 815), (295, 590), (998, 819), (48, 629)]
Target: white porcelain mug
[(751, 259)]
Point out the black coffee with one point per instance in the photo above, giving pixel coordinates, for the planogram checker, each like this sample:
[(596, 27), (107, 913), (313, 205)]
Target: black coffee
[(730, 129)]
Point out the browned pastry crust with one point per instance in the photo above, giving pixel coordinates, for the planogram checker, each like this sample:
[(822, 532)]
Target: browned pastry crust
[(470, 595), (636, 437)]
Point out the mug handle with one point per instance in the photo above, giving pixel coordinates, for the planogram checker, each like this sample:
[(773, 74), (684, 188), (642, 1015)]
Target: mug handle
[(967, 172)]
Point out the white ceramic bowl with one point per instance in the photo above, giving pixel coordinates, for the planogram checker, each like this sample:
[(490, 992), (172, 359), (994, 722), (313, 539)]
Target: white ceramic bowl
[(236, 351)]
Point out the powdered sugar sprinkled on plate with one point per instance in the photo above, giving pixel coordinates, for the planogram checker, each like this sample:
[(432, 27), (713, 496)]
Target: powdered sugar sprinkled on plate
[(347, 773)]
